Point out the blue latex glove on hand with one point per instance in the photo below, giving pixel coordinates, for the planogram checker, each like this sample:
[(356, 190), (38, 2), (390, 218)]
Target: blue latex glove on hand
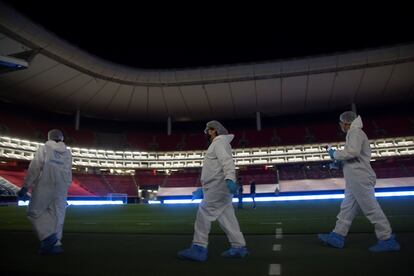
[(197, 194), (335, 165), (232, 186), (22, 193), (331, 153)]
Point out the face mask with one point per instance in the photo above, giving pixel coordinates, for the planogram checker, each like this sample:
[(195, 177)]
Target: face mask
[(342, 125), (208, 138)]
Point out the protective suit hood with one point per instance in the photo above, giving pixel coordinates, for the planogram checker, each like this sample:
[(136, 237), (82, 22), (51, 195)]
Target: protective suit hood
[(59, 147), (227, 137), (221, 130), (357, 123)]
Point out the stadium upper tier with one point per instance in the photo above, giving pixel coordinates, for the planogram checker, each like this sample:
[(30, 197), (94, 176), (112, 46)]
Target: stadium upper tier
[(14, 148), (138, 137)]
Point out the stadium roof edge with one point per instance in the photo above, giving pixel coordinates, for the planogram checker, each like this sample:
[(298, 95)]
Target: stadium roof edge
[(21, 29)]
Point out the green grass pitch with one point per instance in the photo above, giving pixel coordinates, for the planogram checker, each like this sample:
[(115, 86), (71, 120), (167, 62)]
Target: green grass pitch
[(144, 240)]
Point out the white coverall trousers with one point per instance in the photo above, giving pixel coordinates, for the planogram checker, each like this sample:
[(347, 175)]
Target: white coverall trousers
[(361, 195), (218, 206)]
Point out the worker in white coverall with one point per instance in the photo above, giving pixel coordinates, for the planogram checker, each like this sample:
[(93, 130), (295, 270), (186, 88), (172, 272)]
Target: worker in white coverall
[(218, 187), (49, 176), (359, 188)]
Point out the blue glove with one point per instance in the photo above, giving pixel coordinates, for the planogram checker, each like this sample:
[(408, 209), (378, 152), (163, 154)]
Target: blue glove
[(335, 165), (331, 153), (22, 193), (232, 186), (197, 194)]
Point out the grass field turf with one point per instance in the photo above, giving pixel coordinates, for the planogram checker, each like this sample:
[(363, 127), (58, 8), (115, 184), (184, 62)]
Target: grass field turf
[(144, 239)]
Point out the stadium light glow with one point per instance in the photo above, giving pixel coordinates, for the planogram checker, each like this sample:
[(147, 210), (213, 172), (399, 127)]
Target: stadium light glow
[(296, 198), (293, 197), (81, 202), (392, 194), (181, 201), (235, 200)]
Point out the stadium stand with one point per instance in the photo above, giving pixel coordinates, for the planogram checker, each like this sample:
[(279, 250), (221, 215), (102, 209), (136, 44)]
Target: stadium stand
[(183, 179), (17, 178), (124, 184), (275, 132), (259, 174), (90, 184), (147, 178)]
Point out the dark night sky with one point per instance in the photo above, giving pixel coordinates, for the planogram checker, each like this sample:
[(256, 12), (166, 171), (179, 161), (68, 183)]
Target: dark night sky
[(175, 37)]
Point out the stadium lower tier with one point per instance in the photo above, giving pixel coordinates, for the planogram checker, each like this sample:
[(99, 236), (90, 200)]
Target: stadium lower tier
[(291, 178)]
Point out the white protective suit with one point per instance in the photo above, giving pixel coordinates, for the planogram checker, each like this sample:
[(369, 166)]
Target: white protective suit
[(360, 181), (217, 203), (49, 175)]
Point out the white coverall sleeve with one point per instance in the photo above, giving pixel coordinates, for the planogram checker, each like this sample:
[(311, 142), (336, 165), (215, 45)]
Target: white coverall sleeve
[(70, 170), (352, 147), (223, 153), (35, 167)]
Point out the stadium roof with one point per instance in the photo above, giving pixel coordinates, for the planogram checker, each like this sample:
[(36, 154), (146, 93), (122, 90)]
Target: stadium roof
[(62, 77)]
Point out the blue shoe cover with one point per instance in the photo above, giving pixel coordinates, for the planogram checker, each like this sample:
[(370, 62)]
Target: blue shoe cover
[(49, 242), (235, 252), (386, 245), (333, 239), (48, 246), (194, 253), (55, 250)]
